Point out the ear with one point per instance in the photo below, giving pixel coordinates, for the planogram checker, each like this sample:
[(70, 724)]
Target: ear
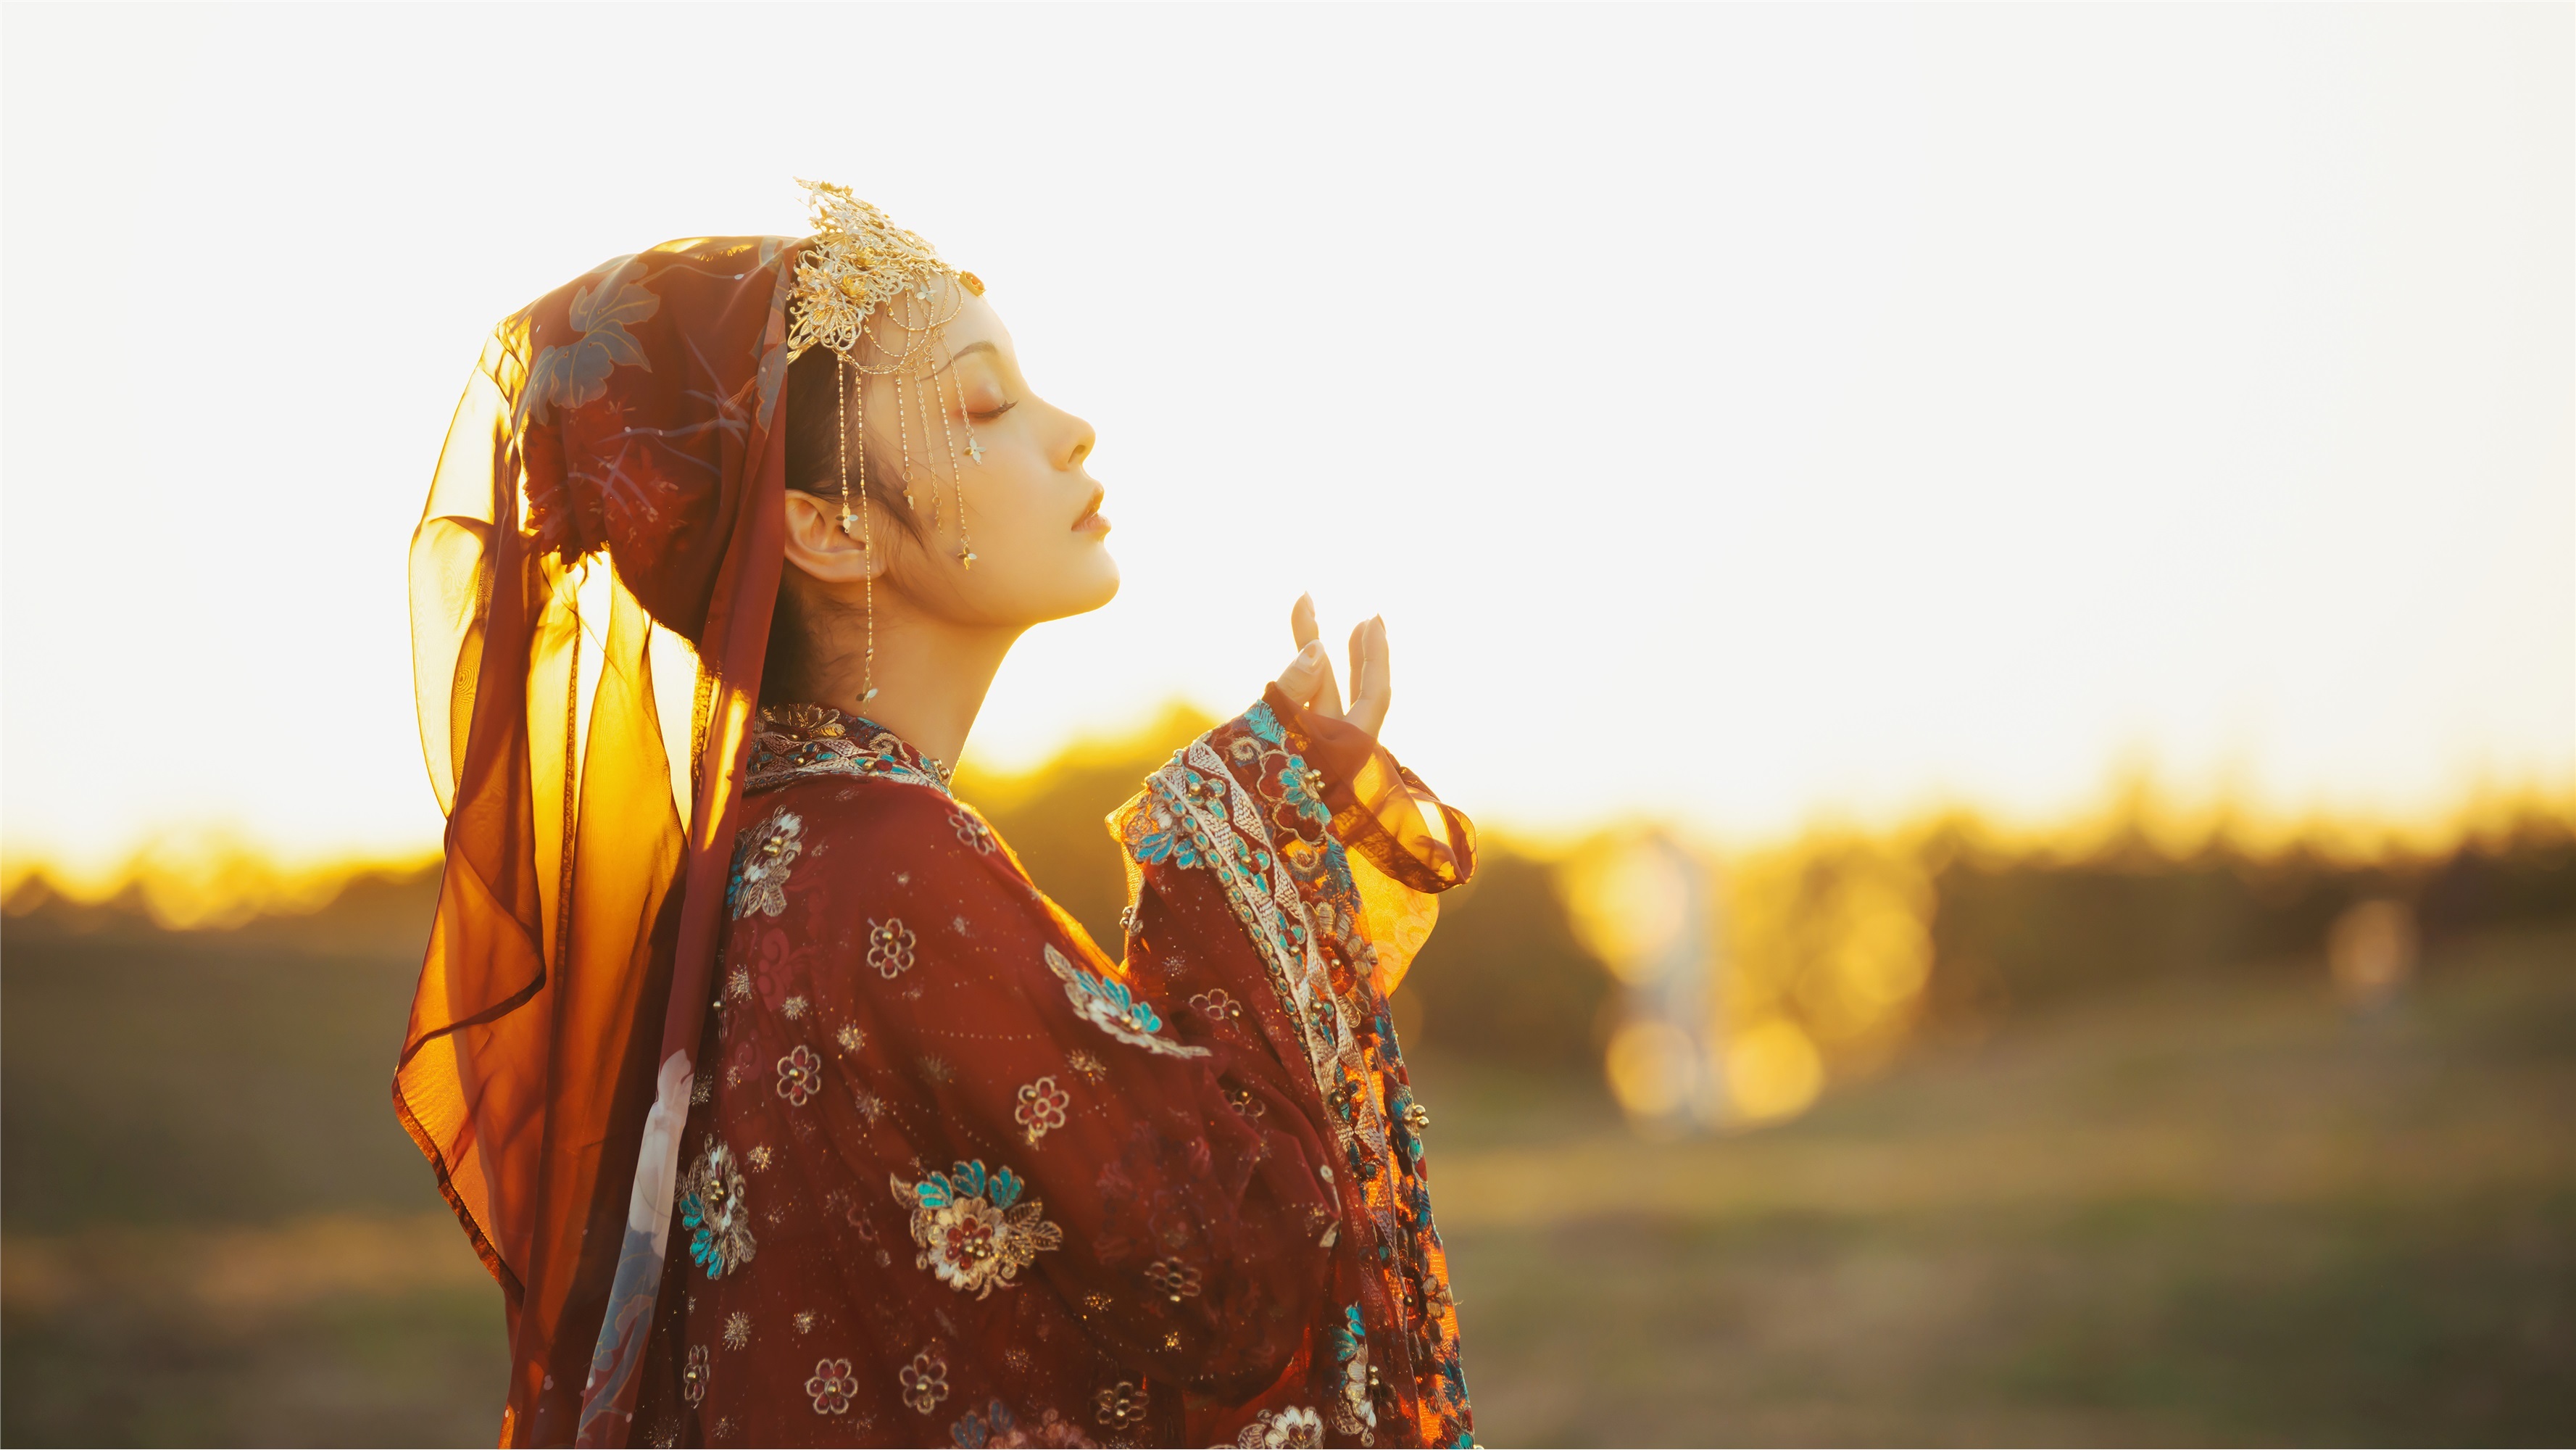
[(816, 544)]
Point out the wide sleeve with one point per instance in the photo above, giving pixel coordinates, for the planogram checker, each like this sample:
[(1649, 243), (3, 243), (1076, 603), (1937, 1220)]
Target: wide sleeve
[(1024, 1111)]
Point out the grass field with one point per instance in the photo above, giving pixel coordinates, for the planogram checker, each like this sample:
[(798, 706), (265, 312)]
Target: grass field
[(2195, 1215)]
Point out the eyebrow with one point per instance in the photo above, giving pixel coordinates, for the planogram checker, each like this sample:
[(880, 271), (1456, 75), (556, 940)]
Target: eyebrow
[(972, 347)]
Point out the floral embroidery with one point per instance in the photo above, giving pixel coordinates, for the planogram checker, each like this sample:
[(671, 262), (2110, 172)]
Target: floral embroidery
[(802, 740), (693, 1377), (832, 1386), (576, 372), (1173, 1279), (890, 947), (850, 1037), (800, 1076), (738, 982), (1214, 1005), (972, 1229), (925, 1381), (1091, 1068), (737, 1330), (971, 831), (762, 857), (1123, 1406), (1173, 836), (994, 1427), (1041, 1109), (1109, 1006), (793, 1008), (1281, 1429), (870, 1106), (716, 1214), (804, 1321), (1299, 788), (1356, 1413)]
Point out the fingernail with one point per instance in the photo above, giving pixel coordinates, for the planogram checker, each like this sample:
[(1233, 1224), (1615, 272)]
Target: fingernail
[(1313, 651)]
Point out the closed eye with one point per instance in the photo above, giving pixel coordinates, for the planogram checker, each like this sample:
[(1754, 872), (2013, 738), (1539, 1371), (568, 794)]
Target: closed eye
[(995, 413)]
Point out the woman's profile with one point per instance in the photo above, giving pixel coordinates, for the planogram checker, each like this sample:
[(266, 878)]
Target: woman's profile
[(784, 1107)]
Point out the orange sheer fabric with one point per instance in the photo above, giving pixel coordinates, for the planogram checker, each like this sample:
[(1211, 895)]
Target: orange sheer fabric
[(611, 473)]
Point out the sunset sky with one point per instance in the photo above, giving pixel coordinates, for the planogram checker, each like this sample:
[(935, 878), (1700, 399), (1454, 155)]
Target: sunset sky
[(1738, 414)]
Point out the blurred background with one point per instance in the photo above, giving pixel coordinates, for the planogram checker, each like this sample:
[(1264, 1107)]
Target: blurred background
[(2001, 582)]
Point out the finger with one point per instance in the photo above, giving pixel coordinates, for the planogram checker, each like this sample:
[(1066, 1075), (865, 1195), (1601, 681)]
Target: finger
[(1372, 677), (1328, 691), (1301, 622), (1305, 673)]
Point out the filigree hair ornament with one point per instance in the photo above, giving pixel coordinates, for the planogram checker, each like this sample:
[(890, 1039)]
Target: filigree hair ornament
[(859, 276)]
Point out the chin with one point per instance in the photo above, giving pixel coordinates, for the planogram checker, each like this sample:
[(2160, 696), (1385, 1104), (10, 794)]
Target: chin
[(1104, 585)]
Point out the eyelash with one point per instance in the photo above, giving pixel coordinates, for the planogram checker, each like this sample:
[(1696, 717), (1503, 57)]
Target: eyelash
[(997, 412)]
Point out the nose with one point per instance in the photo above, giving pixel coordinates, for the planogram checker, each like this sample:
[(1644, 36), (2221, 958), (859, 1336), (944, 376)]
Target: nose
[(1079, 436)]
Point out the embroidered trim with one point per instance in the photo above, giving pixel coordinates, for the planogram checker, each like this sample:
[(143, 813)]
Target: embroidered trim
[(1109, 1006), (1196, 813), (795, 741)]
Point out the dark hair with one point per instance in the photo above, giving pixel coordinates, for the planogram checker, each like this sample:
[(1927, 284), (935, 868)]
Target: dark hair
[(813, 466)]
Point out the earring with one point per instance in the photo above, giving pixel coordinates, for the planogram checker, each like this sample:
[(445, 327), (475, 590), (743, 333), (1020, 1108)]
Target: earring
[(865, 521)]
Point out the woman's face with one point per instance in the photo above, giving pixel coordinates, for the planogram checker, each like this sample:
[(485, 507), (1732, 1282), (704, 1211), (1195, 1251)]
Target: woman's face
[(1031, 514)]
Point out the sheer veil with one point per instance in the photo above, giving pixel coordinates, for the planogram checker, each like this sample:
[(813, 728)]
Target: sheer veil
[(591, 586)]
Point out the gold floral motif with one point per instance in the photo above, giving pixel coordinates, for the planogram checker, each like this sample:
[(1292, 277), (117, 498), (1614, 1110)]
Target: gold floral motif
[(1041, 1109), (800, 1076), (1173, 1279), (1289, 1429), (1123, 1405), (737, 1330), (890, 946), (924, 1381), (833, 1386), (694, 1375)]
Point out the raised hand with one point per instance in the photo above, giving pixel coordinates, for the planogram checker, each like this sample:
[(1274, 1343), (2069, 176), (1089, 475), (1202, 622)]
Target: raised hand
[(1309, 681)]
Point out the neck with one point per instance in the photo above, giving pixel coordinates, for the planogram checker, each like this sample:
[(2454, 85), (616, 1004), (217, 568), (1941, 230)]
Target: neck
[(931, 676)]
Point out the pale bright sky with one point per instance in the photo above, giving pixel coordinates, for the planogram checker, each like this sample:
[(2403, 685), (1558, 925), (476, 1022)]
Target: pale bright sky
[(1737, 413)]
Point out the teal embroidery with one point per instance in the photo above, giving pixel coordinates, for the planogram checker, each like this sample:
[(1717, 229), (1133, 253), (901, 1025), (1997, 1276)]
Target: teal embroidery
[(713, 1210), (1109, 1006)]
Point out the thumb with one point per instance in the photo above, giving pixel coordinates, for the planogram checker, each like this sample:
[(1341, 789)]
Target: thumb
[(1304, 676)]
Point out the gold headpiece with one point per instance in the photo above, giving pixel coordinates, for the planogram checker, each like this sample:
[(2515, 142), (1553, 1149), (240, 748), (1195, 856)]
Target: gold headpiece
[(857, 261), (857, 269)]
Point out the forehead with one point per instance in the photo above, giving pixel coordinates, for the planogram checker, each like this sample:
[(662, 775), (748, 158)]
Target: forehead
[(976, 321)]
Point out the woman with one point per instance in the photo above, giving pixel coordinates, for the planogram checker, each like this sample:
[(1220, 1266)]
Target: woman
[(781, 1103)]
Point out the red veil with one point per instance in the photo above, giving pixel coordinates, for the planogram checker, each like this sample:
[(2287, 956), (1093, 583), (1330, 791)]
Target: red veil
[(591, 586)]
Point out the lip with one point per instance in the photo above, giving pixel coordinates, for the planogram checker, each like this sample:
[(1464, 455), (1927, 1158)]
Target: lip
[(1093, 521)]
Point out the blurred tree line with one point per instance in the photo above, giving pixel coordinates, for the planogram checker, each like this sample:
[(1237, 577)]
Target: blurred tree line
[(1821, 928)]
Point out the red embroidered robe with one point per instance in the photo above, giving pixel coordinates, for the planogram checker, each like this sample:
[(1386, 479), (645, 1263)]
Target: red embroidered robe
[(951, 1176)]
